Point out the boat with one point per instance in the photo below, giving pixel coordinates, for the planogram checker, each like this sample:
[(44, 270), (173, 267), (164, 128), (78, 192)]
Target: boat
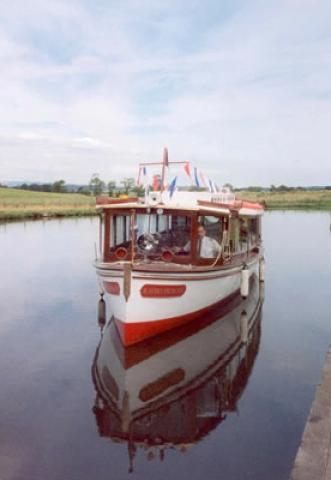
[(171, 391), (166, 259)]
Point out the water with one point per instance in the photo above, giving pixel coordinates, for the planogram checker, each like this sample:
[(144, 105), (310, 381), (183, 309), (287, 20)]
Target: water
[(52, 422)]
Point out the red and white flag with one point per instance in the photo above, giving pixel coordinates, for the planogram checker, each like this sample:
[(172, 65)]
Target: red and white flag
[(187, 169)]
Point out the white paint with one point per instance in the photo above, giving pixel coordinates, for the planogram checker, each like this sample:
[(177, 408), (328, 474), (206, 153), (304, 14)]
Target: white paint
[(194, 354), (198, 295)]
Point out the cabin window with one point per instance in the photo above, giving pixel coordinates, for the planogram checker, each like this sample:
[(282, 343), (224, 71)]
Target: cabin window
[(212, 225), (120, 230), (254, 225), (244, 229), (209, 236), (249, 231), (159, 232)]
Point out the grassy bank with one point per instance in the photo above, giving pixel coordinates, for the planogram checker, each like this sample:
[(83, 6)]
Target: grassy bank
[(294, 199), (22, 204)]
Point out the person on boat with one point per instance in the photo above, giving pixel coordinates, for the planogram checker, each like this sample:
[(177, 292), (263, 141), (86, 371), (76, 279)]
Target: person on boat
[(207, 247)]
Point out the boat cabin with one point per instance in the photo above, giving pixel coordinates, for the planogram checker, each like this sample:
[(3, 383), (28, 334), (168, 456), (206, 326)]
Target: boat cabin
[(195, 232)]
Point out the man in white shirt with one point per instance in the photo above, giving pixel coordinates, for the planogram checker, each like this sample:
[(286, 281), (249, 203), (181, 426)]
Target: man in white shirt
[(207, 246)]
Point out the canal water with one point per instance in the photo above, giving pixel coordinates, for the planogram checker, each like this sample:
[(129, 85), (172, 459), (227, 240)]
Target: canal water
[(234, 411)]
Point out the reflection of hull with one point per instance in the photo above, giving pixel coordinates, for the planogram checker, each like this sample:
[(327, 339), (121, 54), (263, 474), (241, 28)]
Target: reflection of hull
[(159, 302), (172, 390)]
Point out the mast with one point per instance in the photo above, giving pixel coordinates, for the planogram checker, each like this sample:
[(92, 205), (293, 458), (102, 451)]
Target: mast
[(164, 165)]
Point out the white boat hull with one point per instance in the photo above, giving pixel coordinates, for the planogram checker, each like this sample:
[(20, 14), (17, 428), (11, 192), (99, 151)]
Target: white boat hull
[(181, 386), (157, 302)]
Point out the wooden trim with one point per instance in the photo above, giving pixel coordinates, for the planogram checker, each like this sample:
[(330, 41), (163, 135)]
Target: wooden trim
[(152, 209), (101, 234), (187, 278), (133, 220), (178, 270), (114, 201), (106, 245), (194, 238)]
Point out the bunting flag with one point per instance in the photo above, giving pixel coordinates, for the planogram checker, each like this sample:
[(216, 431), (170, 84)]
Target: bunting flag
[(156, 183), (187, 169), (203, 179), (196, 178), (145, 179), (138, 179), (172, 187), (144, 172), (212, 188)]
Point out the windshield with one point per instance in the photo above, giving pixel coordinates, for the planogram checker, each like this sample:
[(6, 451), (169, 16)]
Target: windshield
[(157, 235), (160, 233)]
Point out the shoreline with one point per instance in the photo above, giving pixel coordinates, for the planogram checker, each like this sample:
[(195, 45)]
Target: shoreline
[(17, 205), (21, 216), (21, 205), (34, 215)]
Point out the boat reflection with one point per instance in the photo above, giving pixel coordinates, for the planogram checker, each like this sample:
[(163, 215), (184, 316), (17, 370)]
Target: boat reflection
[(169, 392)]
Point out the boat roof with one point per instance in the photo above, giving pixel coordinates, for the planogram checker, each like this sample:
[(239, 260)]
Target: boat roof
[(219, 203)]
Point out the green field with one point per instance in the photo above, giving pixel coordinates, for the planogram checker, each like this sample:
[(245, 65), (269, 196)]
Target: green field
[(294, 199), (21, 204)]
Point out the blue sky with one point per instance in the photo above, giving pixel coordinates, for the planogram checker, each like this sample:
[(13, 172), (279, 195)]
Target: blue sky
[(239, 88)]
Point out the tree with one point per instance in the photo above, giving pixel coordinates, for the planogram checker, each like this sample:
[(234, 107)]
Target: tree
[(84, 190), (193, 188), (59, 186), (128, 185), (139, 190), (111, 188), (229, 186), (283, 188), (96, 185), (35, 187)]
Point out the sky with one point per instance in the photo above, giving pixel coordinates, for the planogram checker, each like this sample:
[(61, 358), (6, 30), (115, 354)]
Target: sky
[(241, 89)]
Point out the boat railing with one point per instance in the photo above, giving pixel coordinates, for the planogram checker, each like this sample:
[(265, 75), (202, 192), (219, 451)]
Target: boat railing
[(226, 198)]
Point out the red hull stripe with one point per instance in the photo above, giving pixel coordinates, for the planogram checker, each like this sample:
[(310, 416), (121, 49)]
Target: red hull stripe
[(132, 333)]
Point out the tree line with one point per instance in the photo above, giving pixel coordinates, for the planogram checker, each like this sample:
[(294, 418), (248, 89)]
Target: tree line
[(95, 187), (282, 188)]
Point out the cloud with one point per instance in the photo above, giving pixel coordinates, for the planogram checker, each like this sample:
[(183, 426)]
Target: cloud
[(240, 89)]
